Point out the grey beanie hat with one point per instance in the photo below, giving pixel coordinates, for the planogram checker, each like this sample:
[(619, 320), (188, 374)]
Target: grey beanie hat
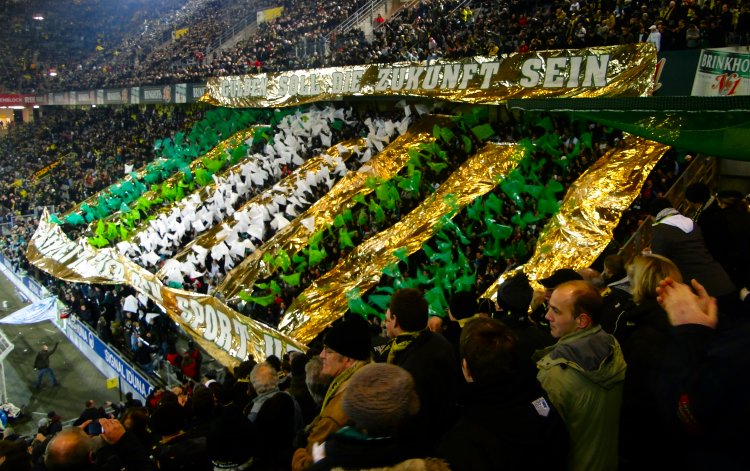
[(379, 397)]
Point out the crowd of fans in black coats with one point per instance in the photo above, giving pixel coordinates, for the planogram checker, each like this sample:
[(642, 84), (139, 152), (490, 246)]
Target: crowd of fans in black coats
[(141, 49), (212, 422)]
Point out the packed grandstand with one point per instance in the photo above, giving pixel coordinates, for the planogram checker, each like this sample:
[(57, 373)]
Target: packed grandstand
[(258, 230)]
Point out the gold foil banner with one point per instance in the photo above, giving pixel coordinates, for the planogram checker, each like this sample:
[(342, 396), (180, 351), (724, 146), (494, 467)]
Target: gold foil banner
[(225, 334), (626, 70), (591, 209), (325, 300), (296, 235), (204, 192), (284, 187)]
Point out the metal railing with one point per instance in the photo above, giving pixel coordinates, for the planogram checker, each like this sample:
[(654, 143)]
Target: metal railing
[(365, 11), (350, 23), (8, 224), (250, 19)]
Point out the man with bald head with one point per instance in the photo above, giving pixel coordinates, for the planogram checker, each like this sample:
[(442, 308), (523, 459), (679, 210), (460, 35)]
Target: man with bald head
[(72, 449), (583, 374)]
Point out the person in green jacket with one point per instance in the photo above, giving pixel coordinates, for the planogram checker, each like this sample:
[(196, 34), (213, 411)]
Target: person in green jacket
[(583, 375)]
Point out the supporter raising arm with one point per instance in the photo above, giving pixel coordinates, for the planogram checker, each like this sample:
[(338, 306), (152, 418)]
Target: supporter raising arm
[(704, 374)]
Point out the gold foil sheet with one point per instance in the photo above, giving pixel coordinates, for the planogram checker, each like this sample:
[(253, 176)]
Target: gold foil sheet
[(591, 210), (626, 70), (325, 300), (219, 151), (225, 334), (295, 236), (286, 186)]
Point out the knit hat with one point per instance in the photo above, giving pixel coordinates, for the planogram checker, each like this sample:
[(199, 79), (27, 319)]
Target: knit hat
[(167, 419), (351, 338), (379, 397), (697, 193), (559, 277), (463, 304), (515, 294)]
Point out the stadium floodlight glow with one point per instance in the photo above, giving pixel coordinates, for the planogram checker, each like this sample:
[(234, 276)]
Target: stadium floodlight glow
[(38, 17)]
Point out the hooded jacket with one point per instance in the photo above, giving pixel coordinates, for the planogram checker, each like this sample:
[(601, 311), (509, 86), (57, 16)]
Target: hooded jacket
[(583, 374), (680, 240)]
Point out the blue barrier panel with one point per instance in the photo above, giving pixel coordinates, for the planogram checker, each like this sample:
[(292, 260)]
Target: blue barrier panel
[(33, 286), (111, 358), (5, 262)]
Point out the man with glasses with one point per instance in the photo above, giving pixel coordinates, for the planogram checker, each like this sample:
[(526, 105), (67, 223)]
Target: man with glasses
[(346, 349)]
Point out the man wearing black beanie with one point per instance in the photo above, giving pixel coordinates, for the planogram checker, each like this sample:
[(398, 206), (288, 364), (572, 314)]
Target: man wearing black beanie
[(346, 349), (513, 299)]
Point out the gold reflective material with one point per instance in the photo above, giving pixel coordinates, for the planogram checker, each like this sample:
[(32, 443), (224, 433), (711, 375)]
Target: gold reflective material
[(217, 152), (625, 70), (295, 236), (284, 187), (225, 334), (592, 207), (325, 300)]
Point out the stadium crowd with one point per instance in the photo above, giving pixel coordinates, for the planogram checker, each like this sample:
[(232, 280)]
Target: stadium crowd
[(195, 417), (404, 404), (142, 51), (425, 392)]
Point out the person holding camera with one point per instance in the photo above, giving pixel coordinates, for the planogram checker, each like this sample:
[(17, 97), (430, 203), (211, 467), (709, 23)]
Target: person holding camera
[(74, 448)]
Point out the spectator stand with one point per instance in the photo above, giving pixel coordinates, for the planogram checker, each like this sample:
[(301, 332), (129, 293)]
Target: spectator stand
[(365, 18)]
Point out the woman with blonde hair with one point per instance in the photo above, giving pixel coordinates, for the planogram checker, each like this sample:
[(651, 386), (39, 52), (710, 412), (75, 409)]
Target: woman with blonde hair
[(645, 273), (643, 333)]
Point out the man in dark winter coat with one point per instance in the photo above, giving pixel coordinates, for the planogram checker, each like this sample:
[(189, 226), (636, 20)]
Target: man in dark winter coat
[(681, 240), (430, 359), (514, 298), (378, 400), (41, 365), (507, 414)]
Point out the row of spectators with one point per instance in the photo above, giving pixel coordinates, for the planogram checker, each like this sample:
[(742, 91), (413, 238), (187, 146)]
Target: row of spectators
[(67, 155), (429, 29), (39, 36), (196, 27), (487, 28), (619, 350)]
